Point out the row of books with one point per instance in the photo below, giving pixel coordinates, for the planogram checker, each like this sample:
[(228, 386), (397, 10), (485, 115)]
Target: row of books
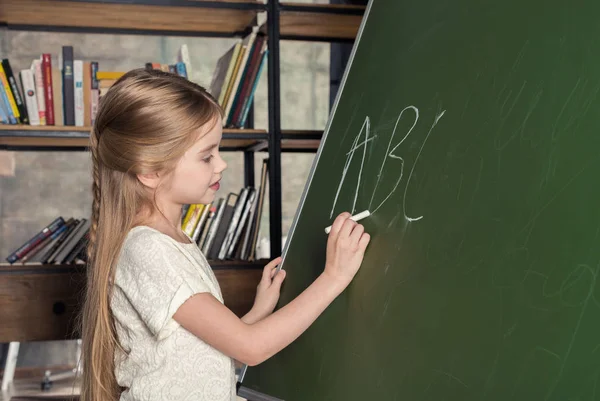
[(60, 242), (65, 91), (228, 228), (225, 229), (236, 76)]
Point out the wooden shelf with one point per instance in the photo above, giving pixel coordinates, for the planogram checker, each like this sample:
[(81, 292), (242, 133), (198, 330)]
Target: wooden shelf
[(27, 137), (323, 22), (300, 21), (295, 141), (184, 17), (40, 303)]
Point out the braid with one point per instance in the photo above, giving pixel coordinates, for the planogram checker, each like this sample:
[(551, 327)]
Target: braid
[(96, 194)]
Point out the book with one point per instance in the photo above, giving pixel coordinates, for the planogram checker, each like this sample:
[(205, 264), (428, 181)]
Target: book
[(233, 223), (28, 86), (47, 84), (247, 44), (250, 251), (57, 95), (246, 211), (68, 85), (78, 92), (36, 67), (4, 106), (247, 76), (201, 223), (46, 243), (223, 67), (95, 93), (210, 236), (17, 94), (223, 225), (12, 105)]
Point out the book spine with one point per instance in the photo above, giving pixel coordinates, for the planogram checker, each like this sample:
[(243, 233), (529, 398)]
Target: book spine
[(68, 86), (180, 66), (11, 100), (87, 94), (19, 99), (248, 102), (39, 90), (5, 105), (28, 85), (48, 91), (184, 56), (57, 96), (78, 96), (95, 90), (3, 113)]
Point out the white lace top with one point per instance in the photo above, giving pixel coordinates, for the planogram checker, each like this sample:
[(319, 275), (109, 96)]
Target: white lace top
[(154, 276)]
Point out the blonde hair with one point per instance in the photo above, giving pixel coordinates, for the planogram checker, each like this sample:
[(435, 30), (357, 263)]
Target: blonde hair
[(145, 123)]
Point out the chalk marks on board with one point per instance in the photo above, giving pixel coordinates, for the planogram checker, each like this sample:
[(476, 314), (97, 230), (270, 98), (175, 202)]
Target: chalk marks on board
[(366, 128), (363, 139)]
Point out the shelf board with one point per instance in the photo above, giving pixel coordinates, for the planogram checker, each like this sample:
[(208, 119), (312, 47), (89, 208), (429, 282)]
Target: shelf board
[(31, 268), (294, 141), (181, 17), (27, 137), (323, 22), (64, 138)]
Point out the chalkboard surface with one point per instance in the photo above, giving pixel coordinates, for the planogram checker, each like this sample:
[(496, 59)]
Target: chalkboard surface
[(471, 130)]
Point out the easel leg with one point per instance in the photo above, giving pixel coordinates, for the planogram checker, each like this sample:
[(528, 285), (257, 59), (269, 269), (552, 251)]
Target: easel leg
[(11, 364)]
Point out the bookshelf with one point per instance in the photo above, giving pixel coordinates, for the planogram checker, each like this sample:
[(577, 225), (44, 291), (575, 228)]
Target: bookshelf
[(39, 289)]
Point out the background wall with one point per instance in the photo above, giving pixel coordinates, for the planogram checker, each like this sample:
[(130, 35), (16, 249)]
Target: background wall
[(35, 187)]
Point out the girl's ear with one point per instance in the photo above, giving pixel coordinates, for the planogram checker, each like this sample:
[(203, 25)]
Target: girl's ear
[(150, 180)]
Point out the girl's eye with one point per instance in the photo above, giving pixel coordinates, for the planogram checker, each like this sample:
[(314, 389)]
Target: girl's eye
[(207, 159)]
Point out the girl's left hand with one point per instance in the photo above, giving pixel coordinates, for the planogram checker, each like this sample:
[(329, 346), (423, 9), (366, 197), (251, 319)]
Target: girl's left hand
[(267, 292)]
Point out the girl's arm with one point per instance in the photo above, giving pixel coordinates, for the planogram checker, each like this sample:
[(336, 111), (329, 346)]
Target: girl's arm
[(204, 316)]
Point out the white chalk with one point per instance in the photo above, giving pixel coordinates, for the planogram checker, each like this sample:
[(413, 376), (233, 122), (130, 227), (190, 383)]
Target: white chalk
[(356, 217)]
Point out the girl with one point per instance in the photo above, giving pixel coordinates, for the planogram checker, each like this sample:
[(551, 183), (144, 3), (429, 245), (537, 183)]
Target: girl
[(154, 323)]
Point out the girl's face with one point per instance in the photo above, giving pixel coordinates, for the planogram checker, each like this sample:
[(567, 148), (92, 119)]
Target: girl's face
[(197, 174)]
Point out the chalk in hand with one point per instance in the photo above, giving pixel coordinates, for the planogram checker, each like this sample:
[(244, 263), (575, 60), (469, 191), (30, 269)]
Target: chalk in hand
[(356, 217)]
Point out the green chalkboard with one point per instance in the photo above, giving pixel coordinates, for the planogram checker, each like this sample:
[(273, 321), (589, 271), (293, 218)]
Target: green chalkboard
[(471, 128)]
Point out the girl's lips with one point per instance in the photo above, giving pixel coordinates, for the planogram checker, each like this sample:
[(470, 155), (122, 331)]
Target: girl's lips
[(215, 186)]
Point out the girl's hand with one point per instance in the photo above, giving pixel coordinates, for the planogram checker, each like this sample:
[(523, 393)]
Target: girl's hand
[(346, 247), (267, 293)]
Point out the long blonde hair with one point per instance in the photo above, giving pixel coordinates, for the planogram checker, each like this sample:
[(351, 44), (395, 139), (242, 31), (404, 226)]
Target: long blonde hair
[(145, 123)]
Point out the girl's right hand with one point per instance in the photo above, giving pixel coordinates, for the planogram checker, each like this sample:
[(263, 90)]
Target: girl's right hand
[(346, 247)]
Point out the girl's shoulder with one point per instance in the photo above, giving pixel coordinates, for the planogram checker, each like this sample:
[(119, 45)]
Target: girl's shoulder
[(150, 240), (147, 240), (142, 235)]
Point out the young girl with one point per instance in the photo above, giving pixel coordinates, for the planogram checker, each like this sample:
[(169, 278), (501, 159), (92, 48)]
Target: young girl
[(154, 323)]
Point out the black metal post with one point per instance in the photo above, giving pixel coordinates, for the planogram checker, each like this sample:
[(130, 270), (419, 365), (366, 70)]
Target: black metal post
[(275, 222), (249, 153), (250, 119), (249, 168)]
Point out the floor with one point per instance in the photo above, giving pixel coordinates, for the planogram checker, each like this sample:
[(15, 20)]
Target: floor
[(29, 390)]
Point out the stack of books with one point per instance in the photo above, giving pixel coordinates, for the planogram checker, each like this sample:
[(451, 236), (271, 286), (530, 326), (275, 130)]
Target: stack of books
[(228, 228), (236, 76), (62, 90), (60, 242)]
